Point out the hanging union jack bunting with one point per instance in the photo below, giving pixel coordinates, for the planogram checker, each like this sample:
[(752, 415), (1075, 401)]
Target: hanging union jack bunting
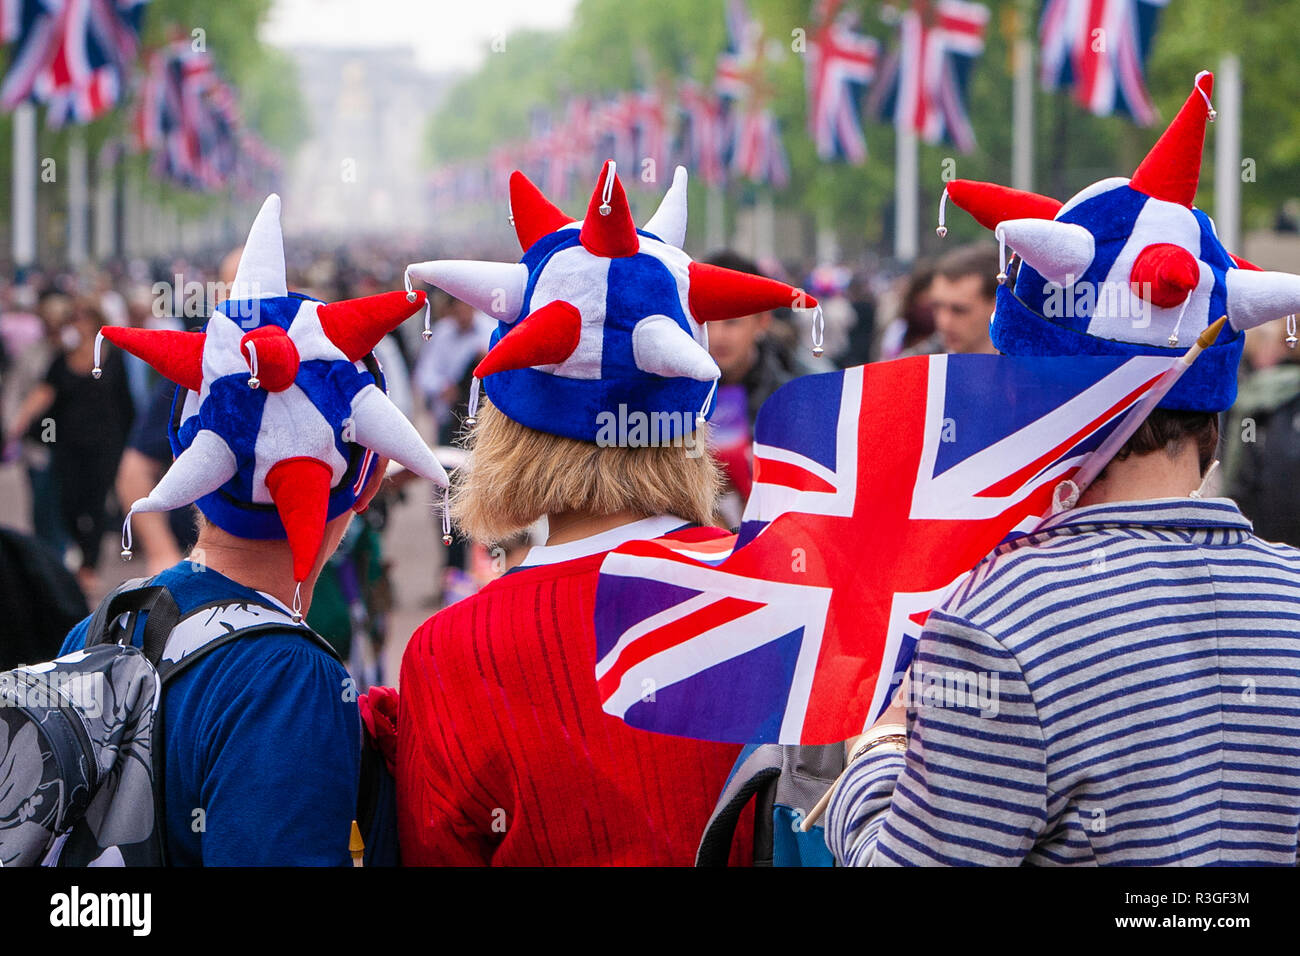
[(924, 82), (840, 64), (73, 55), (1098, 49), (877, 490), (757, 152), (703, 139)]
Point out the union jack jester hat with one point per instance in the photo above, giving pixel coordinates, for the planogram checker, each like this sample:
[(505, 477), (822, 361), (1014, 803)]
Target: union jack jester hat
[(599, 314), (282, 411), (1130, 267)]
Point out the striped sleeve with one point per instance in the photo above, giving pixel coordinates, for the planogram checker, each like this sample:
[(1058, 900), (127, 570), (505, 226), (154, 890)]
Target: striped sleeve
[(972, 787)]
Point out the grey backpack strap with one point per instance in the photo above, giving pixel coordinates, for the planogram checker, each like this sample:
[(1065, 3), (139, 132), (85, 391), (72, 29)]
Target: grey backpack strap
[(210, 626), (755, 774)]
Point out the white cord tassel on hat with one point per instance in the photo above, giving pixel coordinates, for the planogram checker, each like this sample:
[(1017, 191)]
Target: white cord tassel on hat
[(1173, 336), (98, 370), (126, 537), (253, 380), (1002, 255), (702, 415), (1290, 332), (427, 333), (942, 229), (446, 516), (608, 194), (471, 419), (297, 603), (818, 331), (1213, 114)]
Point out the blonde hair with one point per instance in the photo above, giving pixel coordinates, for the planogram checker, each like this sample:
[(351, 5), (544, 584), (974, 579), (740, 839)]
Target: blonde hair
[(515, 474)]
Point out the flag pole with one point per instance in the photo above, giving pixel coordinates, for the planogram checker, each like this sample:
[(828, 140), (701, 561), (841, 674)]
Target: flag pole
[(24, 185), (716, 237), (1022, 108), (106, 203), (906, 188), (1227, 152), (1135, 416), (78, 200)]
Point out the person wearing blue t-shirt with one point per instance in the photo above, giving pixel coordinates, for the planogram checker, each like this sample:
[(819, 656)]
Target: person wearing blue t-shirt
[(282, 431)]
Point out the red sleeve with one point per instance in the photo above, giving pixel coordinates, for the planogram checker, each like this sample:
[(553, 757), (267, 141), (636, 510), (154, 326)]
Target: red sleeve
[(444, 815)]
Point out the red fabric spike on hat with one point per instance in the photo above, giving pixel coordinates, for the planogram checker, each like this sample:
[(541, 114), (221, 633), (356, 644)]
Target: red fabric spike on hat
[(991, 204), (300, 488), (356, 326), (611, 234), (717, 293), (177, 356), (1164, 274), (1244, 263), (277, 357), (534, 215), (1172, 170), (545, 337)]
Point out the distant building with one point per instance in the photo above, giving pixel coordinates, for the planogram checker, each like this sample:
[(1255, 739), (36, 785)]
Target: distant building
[(363, 167)]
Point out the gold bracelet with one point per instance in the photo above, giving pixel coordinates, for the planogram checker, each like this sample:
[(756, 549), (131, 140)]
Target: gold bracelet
[(896, 740)]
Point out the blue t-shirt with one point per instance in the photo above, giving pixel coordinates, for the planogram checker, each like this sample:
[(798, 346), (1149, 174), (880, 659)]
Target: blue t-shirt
[(263, 736)]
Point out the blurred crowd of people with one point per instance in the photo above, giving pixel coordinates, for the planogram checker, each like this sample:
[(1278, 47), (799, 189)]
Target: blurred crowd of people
[(87, 446)]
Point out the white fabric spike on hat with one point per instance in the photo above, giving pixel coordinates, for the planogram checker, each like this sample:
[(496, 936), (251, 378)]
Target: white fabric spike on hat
[(379, 426), (496, 288), (662, 347), (1258, 297), (261, 273), (1060, 251), (200, 470), (669, 220)]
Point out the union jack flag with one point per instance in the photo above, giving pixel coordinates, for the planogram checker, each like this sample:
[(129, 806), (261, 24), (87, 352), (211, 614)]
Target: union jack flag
[(1099, 48), (73, 55), (703, 134), (925, 78), (757, 152), (877, 490), (840, 63)]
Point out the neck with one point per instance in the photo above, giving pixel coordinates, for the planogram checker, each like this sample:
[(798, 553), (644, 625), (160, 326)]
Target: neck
[(1146, 477), (265, 566), (567, 526)]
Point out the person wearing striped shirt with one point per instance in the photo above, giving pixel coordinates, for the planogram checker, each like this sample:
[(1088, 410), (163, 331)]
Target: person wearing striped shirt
[(1122, 686)]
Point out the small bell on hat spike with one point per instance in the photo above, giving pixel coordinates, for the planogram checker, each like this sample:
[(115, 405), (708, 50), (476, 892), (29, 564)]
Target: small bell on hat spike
[(942, 229), (1290, 331), (446, 516), (253, 380), (126, 537), (98, 370), (608, 194), (412, 296)]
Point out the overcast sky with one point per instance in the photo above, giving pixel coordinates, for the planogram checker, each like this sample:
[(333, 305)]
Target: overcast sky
[(446, 34)]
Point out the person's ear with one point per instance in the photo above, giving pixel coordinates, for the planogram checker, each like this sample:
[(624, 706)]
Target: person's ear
[(762, 322), (372, 486)]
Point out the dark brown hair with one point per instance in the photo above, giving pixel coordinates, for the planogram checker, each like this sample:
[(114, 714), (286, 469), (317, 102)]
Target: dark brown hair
[(974, 260), (1167, 430)]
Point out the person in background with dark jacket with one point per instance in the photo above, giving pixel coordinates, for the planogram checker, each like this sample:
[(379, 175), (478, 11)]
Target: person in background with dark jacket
[(1261, 446), (85, 420)]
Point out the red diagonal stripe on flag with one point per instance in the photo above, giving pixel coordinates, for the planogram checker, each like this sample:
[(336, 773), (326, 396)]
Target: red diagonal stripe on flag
[(670, 635), (789, 476), (1019, 479)]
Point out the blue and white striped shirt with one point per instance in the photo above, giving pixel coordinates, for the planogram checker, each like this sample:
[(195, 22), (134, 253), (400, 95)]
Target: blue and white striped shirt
[(1141, 667)]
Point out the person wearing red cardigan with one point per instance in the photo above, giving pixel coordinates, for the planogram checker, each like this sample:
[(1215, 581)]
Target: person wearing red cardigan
[(504, 755)]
